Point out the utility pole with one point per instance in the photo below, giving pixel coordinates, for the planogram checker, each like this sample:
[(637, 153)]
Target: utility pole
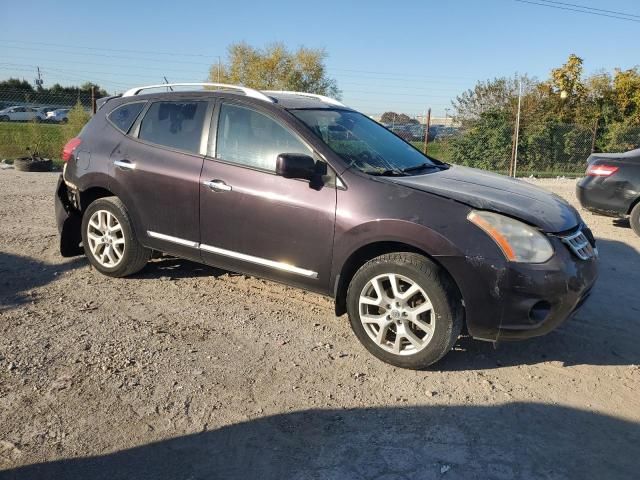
[(595, 134), (219, 67), (93, 99), (517, 133), (38, 81), (427, 125)]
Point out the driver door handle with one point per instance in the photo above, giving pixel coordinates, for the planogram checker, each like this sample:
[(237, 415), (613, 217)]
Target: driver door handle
[(218, 186)]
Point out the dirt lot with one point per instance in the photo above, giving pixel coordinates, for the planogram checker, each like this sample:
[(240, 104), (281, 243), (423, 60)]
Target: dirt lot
[(188, 372)]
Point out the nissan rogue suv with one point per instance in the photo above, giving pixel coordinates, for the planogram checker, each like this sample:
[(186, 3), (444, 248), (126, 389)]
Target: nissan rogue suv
[(300, 189)]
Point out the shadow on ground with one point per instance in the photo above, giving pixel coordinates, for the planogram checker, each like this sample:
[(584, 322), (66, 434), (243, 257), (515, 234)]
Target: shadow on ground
[(512, 441), (605, 331), (167, 266), (19, 275)]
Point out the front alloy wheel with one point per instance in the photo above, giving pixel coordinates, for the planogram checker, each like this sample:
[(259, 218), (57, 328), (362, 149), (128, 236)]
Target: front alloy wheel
[(405, 309), (397, 314)]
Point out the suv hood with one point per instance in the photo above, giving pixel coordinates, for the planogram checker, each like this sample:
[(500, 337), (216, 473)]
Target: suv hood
[(488, 191)]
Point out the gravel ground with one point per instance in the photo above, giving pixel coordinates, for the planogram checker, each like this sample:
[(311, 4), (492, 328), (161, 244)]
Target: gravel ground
[(188, 372)]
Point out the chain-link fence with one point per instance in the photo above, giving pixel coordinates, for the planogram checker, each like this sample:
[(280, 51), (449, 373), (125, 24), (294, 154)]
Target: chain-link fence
[(38, 123), (41, 122), (544, 148)]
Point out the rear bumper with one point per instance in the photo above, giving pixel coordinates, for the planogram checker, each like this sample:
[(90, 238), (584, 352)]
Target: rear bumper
[(605, 195), (69, 221)]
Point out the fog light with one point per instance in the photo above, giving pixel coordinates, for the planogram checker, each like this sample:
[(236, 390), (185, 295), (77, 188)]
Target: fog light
[(539, 312)]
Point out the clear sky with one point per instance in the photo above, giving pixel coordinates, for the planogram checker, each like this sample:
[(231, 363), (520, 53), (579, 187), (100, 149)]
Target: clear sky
[(403, 55)]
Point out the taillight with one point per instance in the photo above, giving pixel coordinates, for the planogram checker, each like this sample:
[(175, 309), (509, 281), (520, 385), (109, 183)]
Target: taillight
[(68, 149), (601, 170)]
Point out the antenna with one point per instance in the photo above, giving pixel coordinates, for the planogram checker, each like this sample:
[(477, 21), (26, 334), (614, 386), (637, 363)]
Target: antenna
[(167, 82)]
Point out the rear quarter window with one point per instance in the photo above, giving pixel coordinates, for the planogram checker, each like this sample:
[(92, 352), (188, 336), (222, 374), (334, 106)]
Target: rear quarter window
[(123, 116)]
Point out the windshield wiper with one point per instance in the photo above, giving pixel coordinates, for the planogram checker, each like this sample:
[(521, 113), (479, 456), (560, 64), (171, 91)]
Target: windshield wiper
[(422, 166), (386, 173)]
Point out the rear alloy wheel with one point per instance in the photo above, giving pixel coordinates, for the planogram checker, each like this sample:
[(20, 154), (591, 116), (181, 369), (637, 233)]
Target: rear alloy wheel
[(634, 219), (106, 240), (109, 241), (404, 309)]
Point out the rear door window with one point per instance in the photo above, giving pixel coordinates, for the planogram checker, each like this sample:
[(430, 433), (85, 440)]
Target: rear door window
[(123, 116), (174, 124)]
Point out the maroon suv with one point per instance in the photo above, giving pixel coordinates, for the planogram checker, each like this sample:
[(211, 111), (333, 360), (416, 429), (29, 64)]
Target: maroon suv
[(300, 189)]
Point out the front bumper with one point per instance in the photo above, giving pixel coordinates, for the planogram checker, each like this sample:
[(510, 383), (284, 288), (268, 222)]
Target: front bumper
[(69, 220), (513, 301)]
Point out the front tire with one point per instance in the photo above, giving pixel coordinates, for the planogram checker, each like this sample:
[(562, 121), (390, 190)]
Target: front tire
[(634, 219), (109, 239), (404, 309)]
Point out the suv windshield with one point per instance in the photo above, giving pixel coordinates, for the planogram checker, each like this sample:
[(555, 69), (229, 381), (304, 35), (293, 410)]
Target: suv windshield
[(365, 144)]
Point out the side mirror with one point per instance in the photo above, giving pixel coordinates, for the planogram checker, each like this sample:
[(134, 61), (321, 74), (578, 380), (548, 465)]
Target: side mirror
[(298, 165)]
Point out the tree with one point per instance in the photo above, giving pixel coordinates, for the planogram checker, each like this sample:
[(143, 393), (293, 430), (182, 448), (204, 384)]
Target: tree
[(497, 94), (487, 144), (276, 68), (627, 94), (397, 118), (78, 116)]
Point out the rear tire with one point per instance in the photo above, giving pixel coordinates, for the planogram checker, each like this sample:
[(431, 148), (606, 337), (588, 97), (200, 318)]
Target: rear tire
[(634, 219), (109, 239), (29, 164), (380, 299)]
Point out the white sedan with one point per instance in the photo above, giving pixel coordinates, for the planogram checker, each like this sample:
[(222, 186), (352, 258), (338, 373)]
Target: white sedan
[(59, 115), (20, 114)]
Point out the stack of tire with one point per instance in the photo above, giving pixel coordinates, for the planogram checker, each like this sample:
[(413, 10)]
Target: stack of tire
[(33, 164)]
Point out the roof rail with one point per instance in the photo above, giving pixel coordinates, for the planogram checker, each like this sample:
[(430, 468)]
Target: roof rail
[(249, 92), (322, 98)]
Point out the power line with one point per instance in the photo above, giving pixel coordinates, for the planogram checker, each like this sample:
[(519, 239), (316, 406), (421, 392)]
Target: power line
[(591, 8), (578, 10), (92, 54), (382, 75), (109, 49)]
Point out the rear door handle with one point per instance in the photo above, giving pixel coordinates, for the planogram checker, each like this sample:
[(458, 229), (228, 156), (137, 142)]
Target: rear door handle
[(218, 186), (125, 164)]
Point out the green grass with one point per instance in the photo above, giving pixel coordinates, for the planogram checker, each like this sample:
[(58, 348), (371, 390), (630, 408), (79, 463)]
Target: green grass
[(19, 139), (437, 150)]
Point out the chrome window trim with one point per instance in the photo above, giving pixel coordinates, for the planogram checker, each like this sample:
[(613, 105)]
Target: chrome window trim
[(232, 254)]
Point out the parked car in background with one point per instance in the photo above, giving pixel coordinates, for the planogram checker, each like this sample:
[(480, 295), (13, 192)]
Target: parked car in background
[(44, 111), (301, 189), (612, 186), (21, 114), (59, 115)]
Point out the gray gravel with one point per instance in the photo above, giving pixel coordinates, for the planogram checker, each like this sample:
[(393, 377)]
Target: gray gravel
[(188, 372)]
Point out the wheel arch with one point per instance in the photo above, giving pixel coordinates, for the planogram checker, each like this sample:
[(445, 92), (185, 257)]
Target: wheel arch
[(632, 205), (367, 252), (91, 194)]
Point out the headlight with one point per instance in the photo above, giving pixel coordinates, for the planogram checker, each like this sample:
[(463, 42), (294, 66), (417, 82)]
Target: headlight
[(518, 241)]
